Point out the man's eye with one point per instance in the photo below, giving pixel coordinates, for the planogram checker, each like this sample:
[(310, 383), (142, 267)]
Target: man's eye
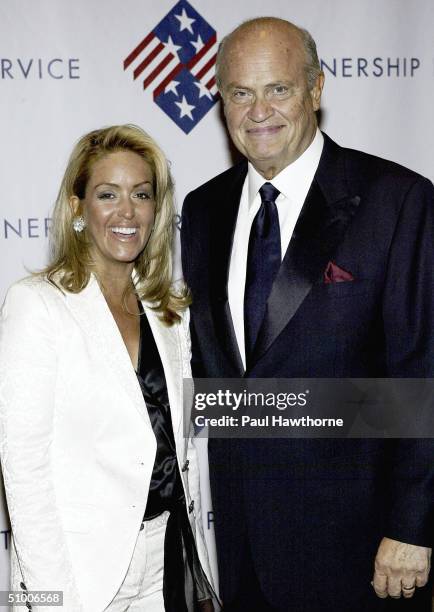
[(280, 89), (240, 95)]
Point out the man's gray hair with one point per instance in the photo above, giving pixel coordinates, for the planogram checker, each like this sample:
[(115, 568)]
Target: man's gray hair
[(312, 65)]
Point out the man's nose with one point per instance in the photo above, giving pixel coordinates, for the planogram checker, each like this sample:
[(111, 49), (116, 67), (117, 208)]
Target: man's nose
[(260, 110)]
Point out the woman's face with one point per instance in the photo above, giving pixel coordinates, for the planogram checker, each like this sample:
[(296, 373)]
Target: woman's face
[(119, 209)]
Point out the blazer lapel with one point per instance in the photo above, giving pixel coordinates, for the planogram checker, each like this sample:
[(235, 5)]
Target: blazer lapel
[(224, 217), (321, 226), (93, 315), (168, 343)]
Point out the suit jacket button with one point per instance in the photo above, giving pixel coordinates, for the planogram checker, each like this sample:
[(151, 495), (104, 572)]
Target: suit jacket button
[(23, 586), (29, 605), (185, 466), (191, 506)]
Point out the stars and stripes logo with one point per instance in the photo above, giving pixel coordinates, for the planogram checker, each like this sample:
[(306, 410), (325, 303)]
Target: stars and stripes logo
[(176, 60)]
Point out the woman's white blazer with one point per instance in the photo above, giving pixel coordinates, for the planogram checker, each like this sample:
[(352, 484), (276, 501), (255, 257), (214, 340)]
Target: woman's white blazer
[(77, 446)]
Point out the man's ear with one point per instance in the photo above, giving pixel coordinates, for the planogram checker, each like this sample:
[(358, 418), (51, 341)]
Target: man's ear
[(316, 91), (74, 203)]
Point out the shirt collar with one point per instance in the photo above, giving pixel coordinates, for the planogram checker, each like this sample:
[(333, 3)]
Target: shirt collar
[(293, 180)]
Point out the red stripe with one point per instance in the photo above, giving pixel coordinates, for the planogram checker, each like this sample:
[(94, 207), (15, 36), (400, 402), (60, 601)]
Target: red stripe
[(202, 52), (205, 69), (211, 83), (148, 59), (132, 56), (169, 57), (167, 80)]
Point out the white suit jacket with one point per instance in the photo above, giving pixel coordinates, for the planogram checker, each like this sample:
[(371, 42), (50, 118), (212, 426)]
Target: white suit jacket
[(77, 446)]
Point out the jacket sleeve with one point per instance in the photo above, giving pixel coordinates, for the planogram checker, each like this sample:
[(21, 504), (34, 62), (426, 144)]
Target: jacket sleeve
[(28, 365), (185, 239), (408, 315), (193, 458), (197, 363)]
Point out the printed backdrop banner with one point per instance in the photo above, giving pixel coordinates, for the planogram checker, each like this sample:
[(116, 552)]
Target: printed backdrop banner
[(69, 67)]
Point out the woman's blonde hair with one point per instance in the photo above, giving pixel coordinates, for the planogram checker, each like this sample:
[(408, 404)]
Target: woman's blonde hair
[(70, 266)]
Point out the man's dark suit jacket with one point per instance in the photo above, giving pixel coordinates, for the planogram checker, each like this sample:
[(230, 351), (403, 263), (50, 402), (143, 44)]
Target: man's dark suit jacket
[(310, 514)]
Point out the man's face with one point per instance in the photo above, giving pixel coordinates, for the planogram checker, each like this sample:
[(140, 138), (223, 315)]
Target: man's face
[(269, 110)]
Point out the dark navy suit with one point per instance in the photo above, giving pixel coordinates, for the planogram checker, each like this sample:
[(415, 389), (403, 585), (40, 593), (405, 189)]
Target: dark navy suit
[(300, 520)]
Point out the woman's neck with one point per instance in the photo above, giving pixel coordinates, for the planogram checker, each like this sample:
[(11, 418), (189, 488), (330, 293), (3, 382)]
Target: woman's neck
[(116, 284)]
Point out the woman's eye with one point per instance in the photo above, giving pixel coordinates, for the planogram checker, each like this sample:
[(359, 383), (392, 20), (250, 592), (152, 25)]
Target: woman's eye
[(142, 195), (106, 195)]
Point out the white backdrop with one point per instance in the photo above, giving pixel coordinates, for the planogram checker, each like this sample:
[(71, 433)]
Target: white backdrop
[(62, 74)]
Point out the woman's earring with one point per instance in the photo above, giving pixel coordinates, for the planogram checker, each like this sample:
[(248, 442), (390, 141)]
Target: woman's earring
[(78, 224)]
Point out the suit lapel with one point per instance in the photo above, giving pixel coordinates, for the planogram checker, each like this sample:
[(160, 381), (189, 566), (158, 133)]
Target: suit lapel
[(321, 227), (222, 227)]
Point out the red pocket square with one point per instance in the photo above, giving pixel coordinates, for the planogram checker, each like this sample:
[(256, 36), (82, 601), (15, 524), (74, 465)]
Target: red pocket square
[(335, 274)]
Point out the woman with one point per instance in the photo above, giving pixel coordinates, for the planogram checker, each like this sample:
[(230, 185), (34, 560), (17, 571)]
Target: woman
[(102, 487)]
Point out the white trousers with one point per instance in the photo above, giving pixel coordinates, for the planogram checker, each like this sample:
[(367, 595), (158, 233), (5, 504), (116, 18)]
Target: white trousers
[(142, 588)]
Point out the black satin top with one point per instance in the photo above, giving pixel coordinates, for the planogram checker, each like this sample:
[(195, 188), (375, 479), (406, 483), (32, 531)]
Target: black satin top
[(165, 488), (185, 584)]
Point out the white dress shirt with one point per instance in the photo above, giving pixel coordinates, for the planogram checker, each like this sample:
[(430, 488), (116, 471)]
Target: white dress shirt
[(293, 182)]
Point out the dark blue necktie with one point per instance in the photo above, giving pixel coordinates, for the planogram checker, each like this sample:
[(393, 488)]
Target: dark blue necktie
[(263, 262)]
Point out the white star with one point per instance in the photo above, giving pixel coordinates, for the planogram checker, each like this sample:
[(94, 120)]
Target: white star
[(185, 21), (185, 108), (171, 47), (199, 44), (203, 90), (173, 85)]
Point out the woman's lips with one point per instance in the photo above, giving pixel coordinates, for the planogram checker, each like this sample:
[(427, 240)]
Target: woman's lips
[(123, 233)]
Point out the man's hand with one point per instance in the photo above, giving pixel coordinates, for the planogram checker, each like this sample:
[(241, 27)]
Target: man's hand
[(400, 568)]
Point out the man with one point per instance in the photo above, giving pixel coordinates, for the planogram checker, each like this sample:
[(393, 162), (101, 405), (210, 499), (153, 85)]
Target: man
[(311, 260)]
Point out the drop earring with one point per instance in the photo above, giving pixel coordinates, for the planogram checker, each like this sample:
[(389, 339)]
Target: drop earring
[(78, 224)]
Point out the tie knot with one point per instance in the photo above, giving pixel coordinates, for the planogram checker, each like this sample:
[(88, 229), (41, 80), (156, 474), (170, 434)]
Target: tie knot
[(268, 193)]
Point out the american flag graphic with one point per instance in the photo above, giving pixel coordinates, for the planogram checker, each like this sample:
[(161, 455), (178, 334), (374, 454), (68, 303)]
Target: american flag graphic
[(177, 61)]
